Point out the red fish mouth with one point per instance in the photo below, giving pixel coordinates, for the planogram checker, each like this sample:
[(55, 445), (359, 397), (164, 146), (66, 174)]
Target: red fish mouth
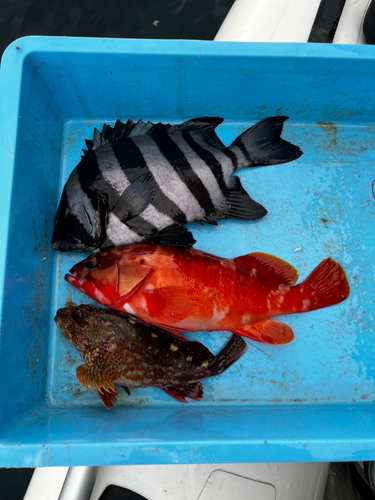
[(77, 280), (88, 287)]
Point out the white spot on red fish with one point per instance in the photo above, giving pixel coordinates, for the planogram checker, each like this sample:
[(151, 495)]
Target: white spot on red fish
[(306, 304), (99, 296), (219, 313), (128, 308)]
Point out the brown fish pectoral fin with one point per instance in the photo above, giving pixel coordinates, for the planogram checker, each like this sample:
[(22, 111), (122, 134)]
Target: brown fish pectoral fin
[(268, 332), (170, 304), (181, 392), (268, 267), (93, 378), (109, 399), (98, 373)]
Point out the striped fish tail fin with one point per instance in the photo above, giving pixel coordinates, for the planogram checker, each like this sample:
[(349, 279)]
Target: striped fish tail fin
[(262, 145)]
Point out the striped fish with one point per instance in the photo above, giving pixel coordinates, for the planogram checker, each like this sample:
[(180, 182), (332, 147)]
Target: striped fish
[(143, 181)]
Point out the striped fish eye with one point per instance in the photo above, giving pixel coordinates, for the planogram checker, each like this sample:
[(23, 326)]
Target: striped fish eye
[(93, 261)]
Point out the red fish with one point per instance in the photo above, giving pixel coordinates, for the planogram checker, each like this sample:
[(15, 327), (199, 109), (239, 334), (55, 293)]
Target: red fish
[(182, 289)]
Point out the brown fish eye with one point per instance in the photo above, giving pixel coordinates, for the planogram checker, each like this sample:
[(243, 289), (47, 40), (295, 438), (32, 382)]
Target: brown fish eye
[(93, 262), (76, 315)]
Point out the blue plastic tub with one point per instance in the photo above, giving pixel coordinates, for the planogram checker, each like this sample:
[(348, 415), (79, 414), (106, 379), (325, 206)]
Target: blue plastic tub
[(308, 401)]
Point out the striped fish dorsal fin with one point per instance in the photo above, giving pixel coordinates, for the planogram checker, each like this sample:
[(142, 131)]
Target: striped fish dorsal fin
[(204, 128), (121, 131)]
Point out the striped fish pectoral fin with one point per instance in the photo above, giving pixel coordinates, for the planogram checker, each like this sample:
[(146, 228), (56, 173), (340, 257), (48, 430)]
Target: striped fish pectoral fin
[(136, 198), (174, 235), (201, 128), (121, 131), (101, 207)]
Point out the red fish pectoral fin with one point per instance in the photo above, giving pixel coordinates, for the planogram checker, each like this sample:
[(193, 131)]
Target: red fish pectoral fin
[(126, 296), (268, 332), (268, 267), (170, 304), (181, 392)]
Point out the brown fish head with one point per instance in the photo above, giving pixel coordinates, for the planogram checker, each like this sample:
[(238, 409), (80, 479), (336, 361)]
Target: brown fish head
[(90, 331), (74, 323)]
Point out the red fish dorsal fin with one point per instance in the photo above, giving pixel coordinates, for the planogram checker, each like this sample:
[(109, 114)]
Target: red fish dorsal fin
[(268, 332), (268, 267)]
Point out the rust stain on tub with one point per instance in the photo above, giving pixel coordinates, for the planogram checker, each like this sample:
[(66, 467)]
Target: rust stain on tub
[(366, 396), (331, 130), (70, 303), (155, 450)]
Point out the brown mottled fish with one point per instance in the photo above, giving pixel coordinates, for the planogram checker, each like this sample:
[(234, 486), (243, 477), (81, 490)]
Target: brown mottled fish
[(118, 349)]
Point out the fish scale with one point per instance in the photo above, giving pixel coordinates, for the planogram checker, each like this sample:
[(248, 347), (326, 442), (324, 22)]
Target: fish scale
[(143, 181)]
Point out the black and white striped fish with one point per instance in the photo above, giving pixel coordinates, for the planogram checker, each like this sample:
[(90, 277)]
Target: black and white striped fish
[(143, 181)]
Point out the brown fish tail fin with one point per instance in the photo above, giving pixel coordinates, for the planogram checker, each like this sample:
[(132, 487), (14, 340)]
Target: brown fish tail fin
[(229, 354), (262, 145), (326, 286)]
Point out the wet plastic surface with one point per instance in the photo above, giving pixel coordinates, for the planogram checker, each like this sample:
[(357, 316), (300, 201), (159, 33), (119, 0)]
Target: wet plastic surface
[(308, 401)]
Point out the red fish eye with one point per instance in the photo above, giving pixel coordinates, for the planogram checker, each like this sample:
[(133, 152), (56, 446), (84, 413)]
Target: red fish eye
[(93, 261)]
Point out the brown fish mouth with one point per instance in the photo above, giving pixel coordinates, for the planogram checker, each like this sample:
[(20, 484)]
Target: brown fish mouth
[(60, 325), (58, 322)]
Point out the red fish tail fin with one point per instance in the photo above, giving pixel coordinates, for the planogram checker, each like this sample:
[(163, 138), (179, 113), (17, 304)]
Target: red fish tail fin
[(326, 286), (229, 354)]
